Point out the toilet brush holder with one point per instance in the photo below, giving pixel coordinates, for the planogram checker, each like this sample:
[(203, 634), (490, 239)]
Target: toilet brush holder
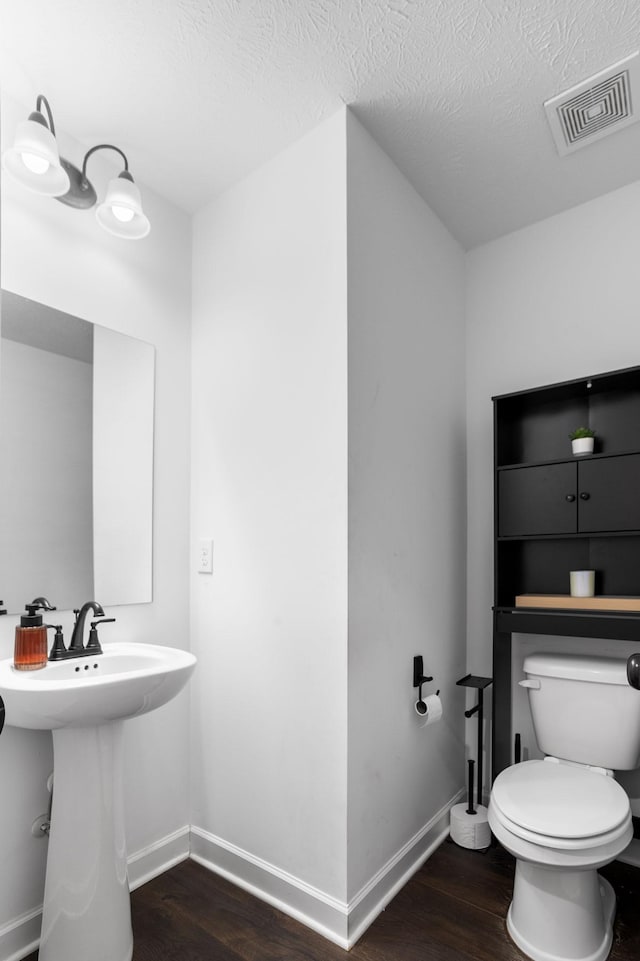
[(469, 825)]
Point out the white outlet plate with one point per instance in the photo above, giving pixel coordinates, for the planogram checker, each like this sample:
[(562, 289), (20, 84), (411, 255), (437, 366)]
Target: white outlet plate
[(205, 556)]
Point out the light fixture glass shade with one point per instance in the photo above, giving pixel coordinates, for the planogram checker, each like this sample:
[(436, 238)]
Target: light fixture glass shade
[(34, 160), (121, 211)]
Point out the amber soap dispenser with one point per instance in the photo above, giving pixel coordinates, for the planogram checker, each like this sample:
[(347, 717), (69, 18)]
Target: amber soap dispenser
[(30, 652)]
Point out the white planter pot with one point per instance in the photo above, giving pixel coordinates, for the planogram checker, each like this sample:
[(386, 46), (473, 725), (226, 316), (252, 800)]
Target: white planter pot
[(582, 583), (582, 445)]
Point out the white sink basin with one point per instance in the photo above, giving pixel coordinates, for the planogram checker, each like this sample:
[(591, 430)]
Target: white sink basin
[(124, 681)]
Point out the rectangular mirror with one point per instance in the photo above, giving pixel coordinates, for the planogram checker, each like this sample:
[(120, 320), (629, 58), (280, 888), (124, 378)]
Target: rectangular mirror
[(76, 464)]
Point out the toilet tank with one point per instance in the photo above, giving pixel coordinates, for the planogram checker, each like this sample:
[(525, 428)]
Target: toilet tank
[(584, 709)]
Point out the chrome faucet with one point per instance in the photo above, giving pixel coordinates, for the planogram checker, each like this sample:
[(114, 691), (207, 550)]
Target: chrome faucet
[(76, 646)]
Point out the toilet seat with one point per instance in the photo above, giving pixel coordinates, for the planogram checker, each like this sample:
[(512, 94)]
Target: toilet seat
[(560, 806), (558, 843)]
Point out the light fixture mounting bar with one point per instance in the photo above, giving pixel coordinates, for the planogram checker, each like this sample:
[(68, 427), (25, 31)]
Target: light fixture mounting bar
[(81, 193)]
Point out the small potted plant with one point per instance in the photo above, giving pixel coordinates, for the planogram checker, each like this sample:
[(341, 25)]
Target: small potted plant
[(582, 441)]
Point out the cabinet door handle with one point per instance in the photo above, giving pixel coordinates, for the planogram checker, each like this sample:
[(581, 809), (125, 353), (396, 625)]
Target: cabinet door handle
[(570, 498), (584, 495)]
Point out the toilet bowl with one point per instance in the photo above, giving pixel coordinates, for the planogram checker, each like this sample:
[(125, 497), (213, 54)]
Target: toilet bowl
[(561, 821)]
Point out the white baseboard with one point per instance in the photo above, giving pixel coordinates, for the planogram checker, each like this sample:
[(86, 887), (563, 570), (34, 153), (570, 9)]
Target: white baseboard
[(338, 921), (335, 920), (292, 896), (21, 936), (373, 898), (158, 857)]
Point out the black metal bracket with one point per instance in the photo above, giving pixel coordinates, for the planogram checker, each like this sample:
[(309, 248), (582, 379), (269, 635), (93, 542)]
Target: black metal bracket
[(2, 714), (479, 683), (420, 678)]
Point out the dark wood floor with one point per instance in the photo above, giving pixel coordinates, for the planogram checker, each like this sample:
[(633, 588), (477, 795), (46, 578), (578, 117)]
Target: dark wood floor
[(453, 909)]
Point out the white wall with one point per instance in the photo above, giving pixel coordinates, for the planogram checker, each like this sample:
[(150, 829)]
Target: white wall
[(556, 301), (276, 385), (269, 441), (407, 507), (61, 257)]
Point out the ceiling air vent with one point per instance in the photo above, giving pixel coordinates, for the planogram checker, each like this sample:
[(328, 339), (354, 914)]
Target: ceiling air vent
[(596, 107)]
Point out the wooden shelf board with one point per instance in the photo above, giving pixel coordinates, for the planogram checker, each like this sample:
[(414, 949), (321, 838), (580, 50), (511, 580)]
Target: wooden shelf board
[(568, 603)]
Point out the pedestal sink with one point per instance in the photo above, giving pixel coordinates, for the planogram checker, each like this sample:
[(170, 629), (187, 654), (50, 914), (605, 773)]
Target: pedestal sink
[(86, 914)]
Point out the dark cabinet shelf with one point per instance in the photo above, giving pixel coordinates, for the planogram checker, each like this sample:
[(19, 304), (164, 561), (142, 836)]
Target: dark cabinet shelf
[(608, 494), (577, 534), (522, 620), (538, 500), (555, 513), (534, 424), (590, 496), (567, 459), (541, 565)]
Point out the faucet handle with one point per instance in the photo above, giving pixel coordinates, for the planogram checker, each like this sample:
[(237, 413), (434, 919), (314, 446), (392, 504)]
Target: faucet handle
[(93, 644), (58, 650)]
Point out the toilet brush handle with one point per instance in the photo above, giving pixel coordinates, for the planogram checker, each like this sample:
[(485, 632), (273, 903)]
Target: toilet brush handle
[(470, 809)]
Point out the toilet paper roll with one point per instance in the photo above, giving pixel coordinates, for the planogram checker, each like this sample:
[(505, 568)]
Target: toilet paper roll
[(429, 709), (470, 830)]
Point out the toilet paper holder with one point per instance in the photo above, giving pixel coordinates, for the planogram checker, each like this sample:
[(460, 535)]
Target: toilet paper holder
[(420, 678)]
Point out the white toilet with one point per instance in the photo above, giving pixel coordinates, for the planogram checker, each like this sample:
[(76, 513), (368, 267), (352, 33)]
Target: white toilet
[(564, 817)]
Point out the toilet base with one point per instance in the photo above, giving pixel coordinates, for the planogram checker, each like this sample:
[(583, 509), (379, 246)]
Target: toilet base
[(561, 915)]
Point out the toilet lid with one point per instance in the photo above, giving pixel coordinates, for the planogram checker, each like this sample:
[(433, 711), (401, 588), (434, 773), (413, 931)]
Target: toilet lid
[(559, 800)]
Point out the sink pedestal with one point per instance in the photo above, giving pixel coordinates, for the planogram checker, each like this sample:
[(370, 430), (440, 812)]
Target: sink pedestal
[(86, 914), (87, 910)]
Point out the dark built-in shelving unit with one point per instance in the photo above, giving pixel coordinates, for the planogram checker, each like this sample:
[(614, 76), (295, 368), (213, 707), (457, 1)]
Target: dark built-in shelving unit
[(555, 513)]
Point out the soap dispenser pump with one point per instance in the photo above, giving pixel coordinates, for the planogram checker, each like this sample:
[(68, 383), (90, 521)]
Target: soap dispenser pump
[(30, 652)]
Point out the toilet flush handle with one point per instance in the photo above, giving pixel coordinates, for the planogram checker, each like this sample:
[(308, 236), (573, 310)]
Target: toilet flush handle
[(531, 683)]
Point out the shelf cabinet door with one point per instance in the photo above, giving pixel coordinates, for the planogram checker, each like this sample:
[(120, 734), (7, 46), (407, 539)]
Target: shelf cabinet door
[(609, 494), (538, 500)]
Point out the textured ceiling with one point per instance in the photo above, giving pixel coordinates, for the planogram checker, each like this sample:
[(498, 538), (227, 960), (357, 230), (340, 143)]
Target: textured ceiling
[(200, 92)]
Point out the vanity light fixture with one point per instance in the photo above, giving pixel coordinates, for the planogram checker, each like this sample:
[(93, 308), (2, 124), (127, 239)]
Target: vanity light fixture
[(34, 158), (35, 162)]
